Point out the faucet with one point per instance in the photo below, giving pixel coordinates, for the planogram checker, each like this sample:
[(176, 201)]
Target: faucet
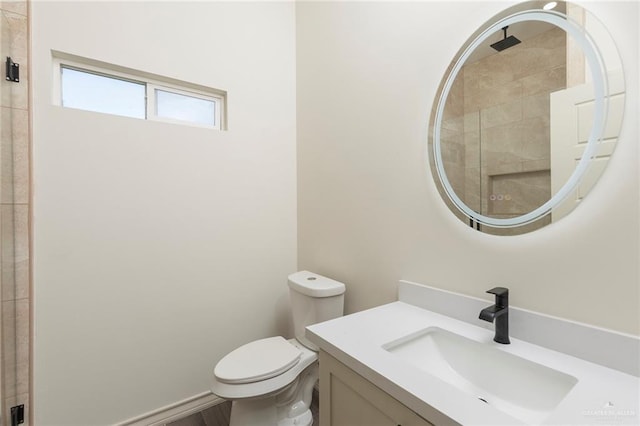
[(500, 313)]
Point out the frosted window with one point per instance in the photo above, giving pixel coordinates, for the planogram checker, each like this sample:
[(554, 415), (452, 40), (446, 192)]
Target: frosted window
[(185, 108), (99, 93)]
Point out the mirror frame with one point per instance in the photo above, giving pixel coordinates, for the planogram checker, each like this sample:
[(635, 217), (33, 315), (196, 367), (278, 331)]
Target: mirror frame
[(524, 12)]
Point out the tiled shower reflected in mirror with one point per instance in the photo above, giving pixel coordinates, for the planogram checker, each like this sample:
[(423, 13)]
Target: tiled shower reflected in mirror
[(14, 214)]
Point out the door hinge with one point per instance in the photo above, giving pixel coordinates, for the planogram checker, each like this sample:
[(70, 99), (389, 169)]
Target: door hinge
[(13, 70), (17, 415)]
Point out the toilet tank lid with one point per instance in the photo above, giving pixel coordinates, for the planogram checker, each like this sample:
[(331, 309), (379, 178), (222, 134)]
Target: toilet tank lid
[(315, 285)]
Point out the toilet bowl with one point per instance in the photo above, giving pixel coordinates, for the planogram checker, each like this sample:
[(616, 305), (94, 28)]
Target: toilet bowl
[(270, 381)]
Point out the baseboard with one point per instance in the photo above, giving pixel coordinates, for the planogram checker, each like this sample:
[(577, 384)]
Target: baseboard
[(175, 411)]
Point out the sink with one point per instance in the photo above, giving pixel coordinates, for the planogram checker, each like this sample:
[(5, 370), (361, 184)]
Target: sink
[(518, 387)]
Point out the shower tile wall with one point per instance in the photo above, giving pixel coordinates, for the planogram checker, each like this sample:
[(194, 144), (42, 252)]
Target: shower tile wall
[(497, 127), (14, 211)]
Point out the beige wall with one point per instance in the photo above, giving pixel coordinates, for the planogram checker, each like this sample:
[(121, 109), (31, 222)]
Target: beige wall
[(369, 212), (158, 248)]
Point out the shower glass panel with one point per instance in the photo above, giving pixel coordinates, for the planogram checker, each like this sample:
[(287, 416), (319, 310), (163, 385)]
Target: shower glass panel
[(14, 208), (3, 39)]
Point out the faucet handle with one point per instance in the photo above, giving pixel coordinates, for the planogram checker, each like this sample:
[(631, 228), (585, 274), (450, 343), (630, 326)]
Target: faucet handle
[(502, 296), (499, 291)]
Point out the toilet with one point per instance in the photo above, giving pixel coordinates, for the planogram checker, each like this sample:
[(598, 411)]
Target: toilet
[(270, 381)]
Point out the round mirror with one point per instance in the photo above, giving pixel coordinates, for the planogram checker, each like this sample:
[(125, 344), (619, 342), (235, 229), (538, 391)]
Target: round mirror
[(526, 117)]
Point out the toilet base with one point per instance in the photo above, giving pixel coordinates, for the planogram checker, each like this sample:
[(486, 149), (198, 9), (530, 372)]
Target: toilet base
[(304, 419), (262, 412), (288, 407)]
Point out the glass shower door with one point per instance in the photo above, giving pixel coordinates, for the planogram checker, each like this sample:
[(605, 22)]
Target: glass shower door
[(14, 215)]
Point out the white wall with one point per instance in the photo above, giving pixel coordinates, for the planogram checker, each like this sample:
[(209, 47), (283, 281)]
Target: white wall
[(158, 248), (369, 213)]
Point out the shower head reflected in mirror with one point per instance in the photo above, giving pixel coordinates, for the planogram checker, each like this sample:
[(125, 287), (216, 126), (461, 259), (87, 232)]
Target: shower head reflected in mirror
[(506, 42)]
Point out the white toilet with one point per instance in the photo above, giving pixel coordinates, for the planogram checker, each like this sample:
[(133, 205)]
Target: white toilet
[(270, 381)]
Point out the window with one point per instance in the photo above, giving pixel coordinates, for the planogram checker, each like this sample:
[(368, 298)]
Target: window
[(100, 93), (100, 88), (185, 107)]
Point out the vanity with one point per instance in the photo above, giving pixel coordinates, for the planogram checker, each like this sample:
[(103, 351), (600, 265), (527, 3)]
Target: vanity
[(354, 400), (404, 364)]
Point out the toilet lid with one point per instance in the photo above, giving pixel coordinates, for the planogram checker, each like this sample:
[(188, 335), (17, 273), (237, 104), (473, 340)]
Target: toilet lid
[(258, 360)]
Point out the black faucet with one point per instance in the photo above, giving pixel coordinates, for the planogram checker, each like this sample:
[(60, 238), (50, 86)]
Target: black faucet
[(500, 313)]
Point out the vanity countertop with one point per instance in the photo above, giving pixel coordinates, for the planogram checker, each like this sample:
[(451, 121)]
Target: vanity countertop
[(601, 395)]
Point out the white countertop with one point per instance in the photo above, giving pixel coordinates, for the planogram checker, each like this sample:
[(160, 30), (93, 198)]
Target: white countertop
[(601, 395)]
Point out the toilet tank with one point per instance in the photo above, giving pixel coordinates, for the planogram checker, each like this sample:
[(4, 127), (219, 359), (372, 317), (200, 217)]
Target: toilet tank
[(314, 299)]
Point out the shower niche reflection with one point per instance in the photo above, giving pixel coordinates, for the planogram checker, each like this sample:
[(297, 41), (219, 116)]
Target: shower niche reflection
[(515, 117)]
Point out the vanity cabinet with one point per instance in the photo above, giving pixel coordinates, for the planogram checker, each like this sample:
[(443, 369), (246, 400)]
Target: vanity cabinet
[(348, 399)]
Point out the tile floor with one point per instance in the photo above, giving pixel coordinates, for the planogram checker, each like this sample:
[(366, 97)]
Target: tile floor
[(218, 415)]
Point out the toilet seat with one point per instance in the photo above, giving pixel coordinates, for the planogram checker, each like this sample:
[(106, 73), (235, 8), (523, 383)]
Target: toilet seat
[(268, 386), (258, 360)]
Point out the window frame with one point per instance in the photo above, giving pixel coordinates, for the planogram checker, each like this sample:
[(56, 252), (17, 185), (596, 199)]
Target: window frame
[(150, 83)]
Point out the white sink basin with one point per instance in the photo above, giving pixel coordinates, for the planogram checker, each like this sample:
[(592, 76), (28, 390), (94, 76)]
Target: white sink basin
[(520, 388)]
